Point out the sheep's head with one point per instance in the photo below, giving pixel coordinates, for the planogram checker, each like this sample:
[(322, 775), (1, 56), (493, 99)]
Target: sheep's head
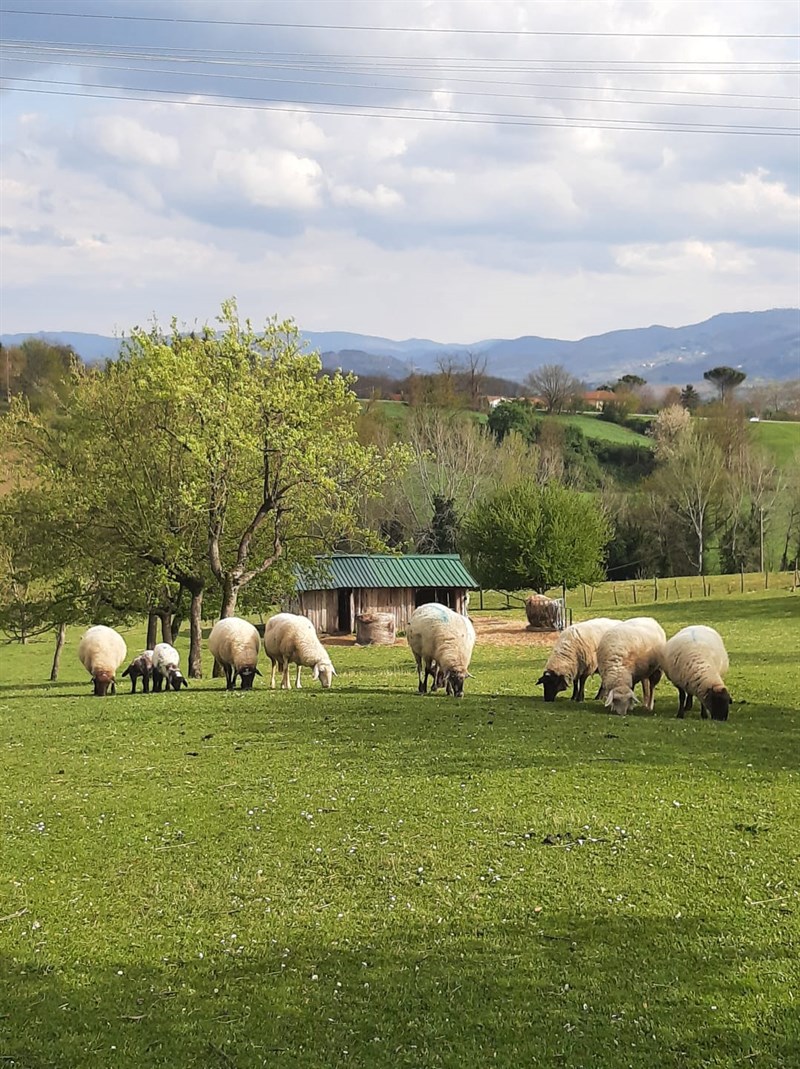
[(621, 700), (454, 682), (718, 702), (175, 679), (324, 672), (102, 682), (248, 673), (552, 683)]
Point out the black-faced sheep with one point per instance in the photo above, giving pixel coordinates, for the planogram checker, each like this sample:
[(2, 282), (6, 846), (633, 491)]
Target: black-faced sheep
[(101, 651), (141, 667), (442, 642), (234, 644), (574, 658), (630, 653), (291, 639), (166, 672), (695, 660)]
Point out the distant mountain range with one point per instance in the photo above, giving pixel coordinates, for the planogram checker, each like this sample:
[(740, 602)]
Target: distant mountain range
[(765, 345)]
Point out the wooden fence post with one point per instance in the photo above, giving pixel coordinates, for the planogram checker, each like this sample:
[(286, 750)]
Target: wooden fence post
[(742, 586), (481, 597), (655, 588), (614, 592)]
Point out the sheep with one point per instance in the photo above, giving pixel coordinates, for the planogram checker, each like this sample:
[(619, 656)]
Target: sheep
[(101, 651), (141, 667), (166, 672), (234, 644), (291, 639), (695, 660), (629, 653), (573, 658), (442, 641)]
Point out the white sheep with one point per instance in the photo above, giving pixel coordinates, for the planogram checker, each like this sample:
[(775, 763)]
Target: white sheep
[(291, 639), (629, 653), (101, 651), (695, 660), (574, 658), (442, 642), (141, 667), (166, 672), (234, 644)]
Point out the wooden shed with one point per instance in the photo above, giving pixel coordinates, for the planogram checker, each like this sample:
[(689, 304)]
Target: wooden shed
[(349, 584)]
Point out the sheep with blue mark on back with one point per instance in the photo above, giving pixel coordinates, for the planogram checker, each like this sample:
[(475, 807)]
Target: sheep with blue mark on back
[(695, 660), (442, 642)]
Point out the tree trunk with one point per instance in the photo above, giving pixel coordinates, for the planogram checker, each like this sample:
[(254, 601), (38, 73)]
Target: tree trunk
[(229, 595), (166, 625), (196, 635), (152, 630), (61, 638)]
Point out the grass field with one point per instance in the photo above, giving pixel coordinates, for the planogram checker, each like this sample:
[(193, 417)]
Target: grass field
[(367, 877), (782, 440)]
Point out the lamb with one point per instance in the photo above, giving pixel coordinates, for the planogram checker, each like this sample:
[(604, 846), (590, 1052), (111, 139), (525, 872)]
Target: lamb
[(141, 667), (234, 644), (291, 639), (629, 653), (573, 658), (442, 641), (166, 672), (695, 660), (101, 651)]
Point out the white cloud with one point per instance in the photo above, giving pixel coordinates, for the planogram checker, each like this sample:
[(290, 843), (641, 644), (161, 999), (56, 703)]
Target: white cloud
[(269, 178), (130, 141)]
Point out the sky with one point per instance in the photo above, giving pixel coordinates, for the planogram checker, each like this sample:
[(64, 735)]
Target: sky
[(448, 169)]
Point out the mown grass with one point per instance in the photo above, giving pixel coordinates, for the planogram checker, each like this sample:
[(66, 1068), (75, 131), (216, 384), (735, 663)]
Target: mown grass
[(367, 877), (782, 440)]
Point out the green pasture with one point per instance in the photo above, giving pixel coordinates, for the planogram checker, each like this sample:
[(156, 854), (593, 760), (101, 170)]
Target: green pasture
[(782, 440), (367, 877)]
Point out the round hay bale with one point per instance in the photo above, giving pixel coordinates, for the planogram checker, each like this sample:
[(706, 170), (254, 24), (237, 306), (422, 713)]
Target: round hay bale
[(375, 629), (542, 613)]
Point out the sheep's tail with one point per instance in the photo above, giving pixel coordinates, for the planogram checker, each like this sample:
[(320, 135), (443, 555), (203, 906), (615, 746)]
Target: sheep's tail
[(127, 671)]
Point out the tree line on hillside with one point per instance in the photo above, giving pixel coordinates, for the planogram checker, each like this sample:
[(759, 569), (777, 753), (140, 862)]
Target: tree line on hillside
[(194, 475)]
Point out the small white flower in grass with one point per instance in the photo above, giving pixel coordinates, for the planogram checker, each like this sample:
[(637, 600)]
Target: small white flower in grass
[(36, 925), (314, 976), (677, 805), (119, 972)]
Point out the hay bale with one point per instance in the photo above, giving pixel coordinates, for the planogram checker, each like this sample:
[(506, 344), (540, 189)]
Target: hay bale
[(544, 614), (375, 629)]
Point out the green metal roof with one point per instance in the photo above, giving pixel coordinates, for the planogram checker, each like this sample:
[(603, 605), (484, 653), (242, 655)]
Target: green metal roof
[(352, 570)]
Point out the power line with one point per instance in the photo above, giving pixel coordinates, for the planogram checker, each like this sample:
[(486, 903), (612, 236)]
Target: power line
[(398, 29), (427, 90), (420, 115), (112, 52)]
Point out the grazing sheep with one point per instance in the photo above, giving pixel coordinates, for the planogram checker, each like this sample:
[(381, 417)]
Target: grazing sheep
[(629, 653), (442, 641), (101, 651), (573, 658), (141, 667), (291, 639), (166, 672), (695, 660), (234, 644)]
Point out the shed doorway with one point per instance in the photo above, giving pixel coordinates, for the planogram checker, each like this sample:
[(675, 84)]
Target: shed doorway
[(345, 610), (425, 595)]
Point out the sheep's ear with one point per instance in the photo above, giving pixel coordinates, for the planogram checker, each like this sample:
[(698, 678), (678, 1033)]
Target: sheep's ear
[(539, 682), (257, 672), (469, 675), (609, 699), (315, 674), (333, 671), (185, 681)]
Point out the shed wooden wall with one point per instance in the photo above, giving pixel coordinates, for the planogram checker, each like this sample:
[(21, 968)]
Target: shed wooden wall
[(322, 606)]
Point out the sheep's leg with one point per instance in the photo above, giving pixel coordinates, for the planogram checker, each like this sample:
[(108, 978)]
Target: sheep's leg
[(285, 684), (646, 693), (146, 683), (576, 689), (297, 678), (430, 671), (703, 711), (682, 706), (230, 677), (421, 683), (652, 684), (689, 701), (272, 677)]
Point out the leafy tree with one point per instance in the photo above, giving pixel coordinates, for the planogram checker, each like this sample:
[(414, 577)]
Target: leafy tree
[(555, 386), (690, 398), (533, 537), (508, 416), (726, 379), (621, 408), (630, 382)]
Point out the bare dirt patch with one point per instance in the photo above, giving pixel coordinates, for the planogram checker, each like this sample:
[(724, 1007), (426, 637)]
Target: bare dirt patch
[(490, 631)]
